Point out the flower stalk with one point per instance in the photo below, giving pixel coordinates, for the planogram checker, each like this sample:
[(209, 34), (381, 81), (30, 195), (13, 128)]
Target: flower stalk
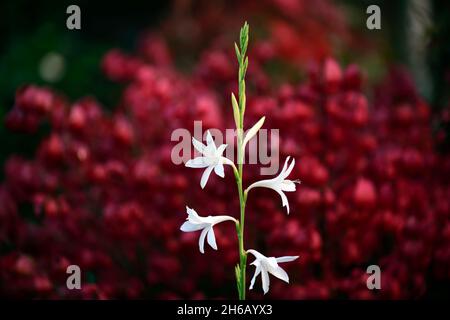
[(212, 159), (240, 109)]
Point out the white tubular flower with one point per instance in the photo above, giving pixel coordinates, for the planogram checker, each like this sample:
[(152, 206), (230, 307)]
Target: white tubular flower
[(266, 265), (279, 183), (195, 223), (211, 158)]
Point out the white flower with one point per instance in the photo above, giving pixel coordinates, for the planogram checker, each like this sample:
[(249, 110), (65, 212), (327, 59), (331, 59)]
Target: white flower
[(279, 183), (195, 222), (266, 265), (211, 158)]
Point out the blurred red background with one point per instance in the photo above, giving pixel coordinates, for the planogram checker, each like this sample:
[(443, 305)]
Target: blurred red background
[(102, 192)]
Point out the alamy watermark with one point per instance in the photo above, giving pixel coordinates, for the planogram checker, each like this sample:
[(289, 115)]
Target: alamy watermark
[(374, 280), (74, 280), (74, 20), (373, 22)]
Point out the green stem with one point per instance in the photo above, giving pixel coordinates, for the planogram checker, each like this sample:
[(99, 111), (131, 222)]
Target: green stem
[(238, 172), (242, 253), (243, 63), (242, 201)]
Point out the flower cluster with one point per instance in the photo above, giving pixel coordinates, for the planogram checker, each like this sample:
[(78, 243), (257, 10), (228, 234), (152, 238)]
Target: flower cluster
[(102, 192)]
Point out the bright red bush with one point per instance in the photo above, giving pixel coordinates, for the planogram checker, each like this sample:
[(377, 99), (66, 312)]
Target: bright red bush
[(102, 192)]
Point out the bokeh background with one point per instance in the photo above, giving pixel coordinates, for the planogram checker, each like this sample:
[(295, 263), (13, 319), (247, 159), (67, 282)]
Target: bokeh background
[(85, 123)]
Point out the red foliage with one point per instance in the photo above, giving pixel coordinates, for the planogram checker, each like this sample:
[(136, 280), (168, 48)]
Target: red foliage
[(102, 192)]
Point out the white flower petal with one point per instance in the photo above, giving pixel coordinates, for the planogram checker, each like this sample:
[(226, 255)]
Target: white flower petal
[(221, 149), (285, 164), (212, 239), (288, 185), (218, 169), (280, 274), (189, 227), (257, 272), (265, 281), (205, 176), (286, 259), (193, 216), (201, 240), (199, 162), (261, 184), (287, 172), (284, 199), (258, 256), (200, 147), (210, 153), (209, 140), (218, 219)]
